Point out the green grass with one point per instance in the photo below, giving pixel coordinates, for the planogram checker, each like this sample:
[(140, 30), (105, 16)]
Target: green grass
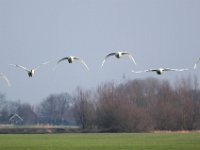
[(138, 141)]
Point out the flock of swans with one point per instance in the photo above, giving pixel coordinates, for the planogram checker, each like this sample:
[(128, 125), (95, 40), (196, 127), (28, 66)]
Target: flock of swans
[(71, 59)]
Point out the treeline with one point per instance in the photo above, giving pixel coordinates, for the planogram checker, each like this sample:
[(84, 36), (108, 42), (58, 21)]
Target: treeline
[(133, 106), (140, 105), (54, 110)]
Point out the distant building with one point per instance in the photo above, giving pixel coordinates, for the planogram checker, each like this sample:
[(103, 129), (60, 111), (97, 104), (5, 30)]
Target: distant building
[(26, 112), (16, 119)]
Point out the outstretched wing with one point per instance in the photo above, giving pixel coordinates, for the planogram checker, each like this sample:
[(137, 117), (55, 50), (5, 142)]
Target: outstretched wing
[(168, 69), (195, 65), (82, 61), (44, 63), (65, 58), (5, 78), (130, 56), (143, 71), (22, 67), (111, 54)]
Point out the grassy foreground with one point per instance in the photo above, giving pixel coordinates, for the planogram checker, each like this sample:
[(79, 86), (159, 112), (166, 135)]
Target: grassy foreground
[(119, 141)]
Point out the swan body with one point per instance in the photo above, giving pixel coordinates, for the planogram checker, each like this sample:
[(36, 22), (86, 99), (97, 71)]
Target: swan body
[(31, 72), (119, 55), (160, 71), (71, 59)]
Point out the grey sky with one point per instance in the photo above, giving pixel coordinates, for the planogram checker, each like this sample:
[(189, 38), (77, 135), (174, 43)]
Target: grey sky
[(159, 33)]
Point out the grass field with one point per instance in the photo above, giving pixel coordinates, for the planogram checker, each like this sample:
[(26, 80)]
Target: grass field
[(119, 141)]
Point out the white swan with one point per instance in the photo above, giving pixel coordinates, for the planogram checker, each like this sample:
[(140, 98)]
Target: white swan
[(118, 55), (2, 76), (160, 70), (195, 65), (71, 59), (30, 72)]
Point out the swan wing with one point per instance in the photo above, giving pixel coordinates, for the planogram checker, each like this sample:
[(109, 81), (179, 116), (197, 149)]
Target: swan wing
[(148, 70), (111, 54), (44, 63), (20, 66), (195, 65), (142, 71), (82, 61), (5, 78), (151, 70), (130, 56), (138, 71), (168, 69), (64, 58)]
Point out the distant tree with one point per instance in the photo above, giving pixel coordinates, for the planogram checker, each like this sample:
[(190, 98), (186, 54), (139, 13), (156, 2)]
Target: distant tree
[(163, 109), (84, 110), (3, 110), (53, 108), (26, 111), (184, 93), (4, 116), (2, 101), (107, 107), (7, 108), (119, 108)]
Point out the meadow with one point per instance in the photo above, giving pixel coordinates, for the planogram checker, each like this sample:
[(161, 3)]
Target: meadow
[(101, 141)]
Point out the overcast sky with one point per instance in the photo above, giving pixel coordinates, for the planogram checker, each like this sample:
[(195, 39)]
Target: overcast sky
[(158, 33)]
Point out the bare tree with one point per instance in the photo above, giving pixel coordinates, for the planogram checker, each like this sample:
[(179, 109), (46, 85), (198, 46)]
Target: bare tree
[(107, 107), (84, 110), (53, 108), (26, 111)]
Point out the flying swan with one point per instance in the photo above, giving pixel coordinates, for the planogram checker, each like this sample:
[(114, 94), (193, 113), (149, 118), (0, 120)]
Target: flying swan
[(30, 72), (2, 76), (71, 59), (118, 55), (159, 71)]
